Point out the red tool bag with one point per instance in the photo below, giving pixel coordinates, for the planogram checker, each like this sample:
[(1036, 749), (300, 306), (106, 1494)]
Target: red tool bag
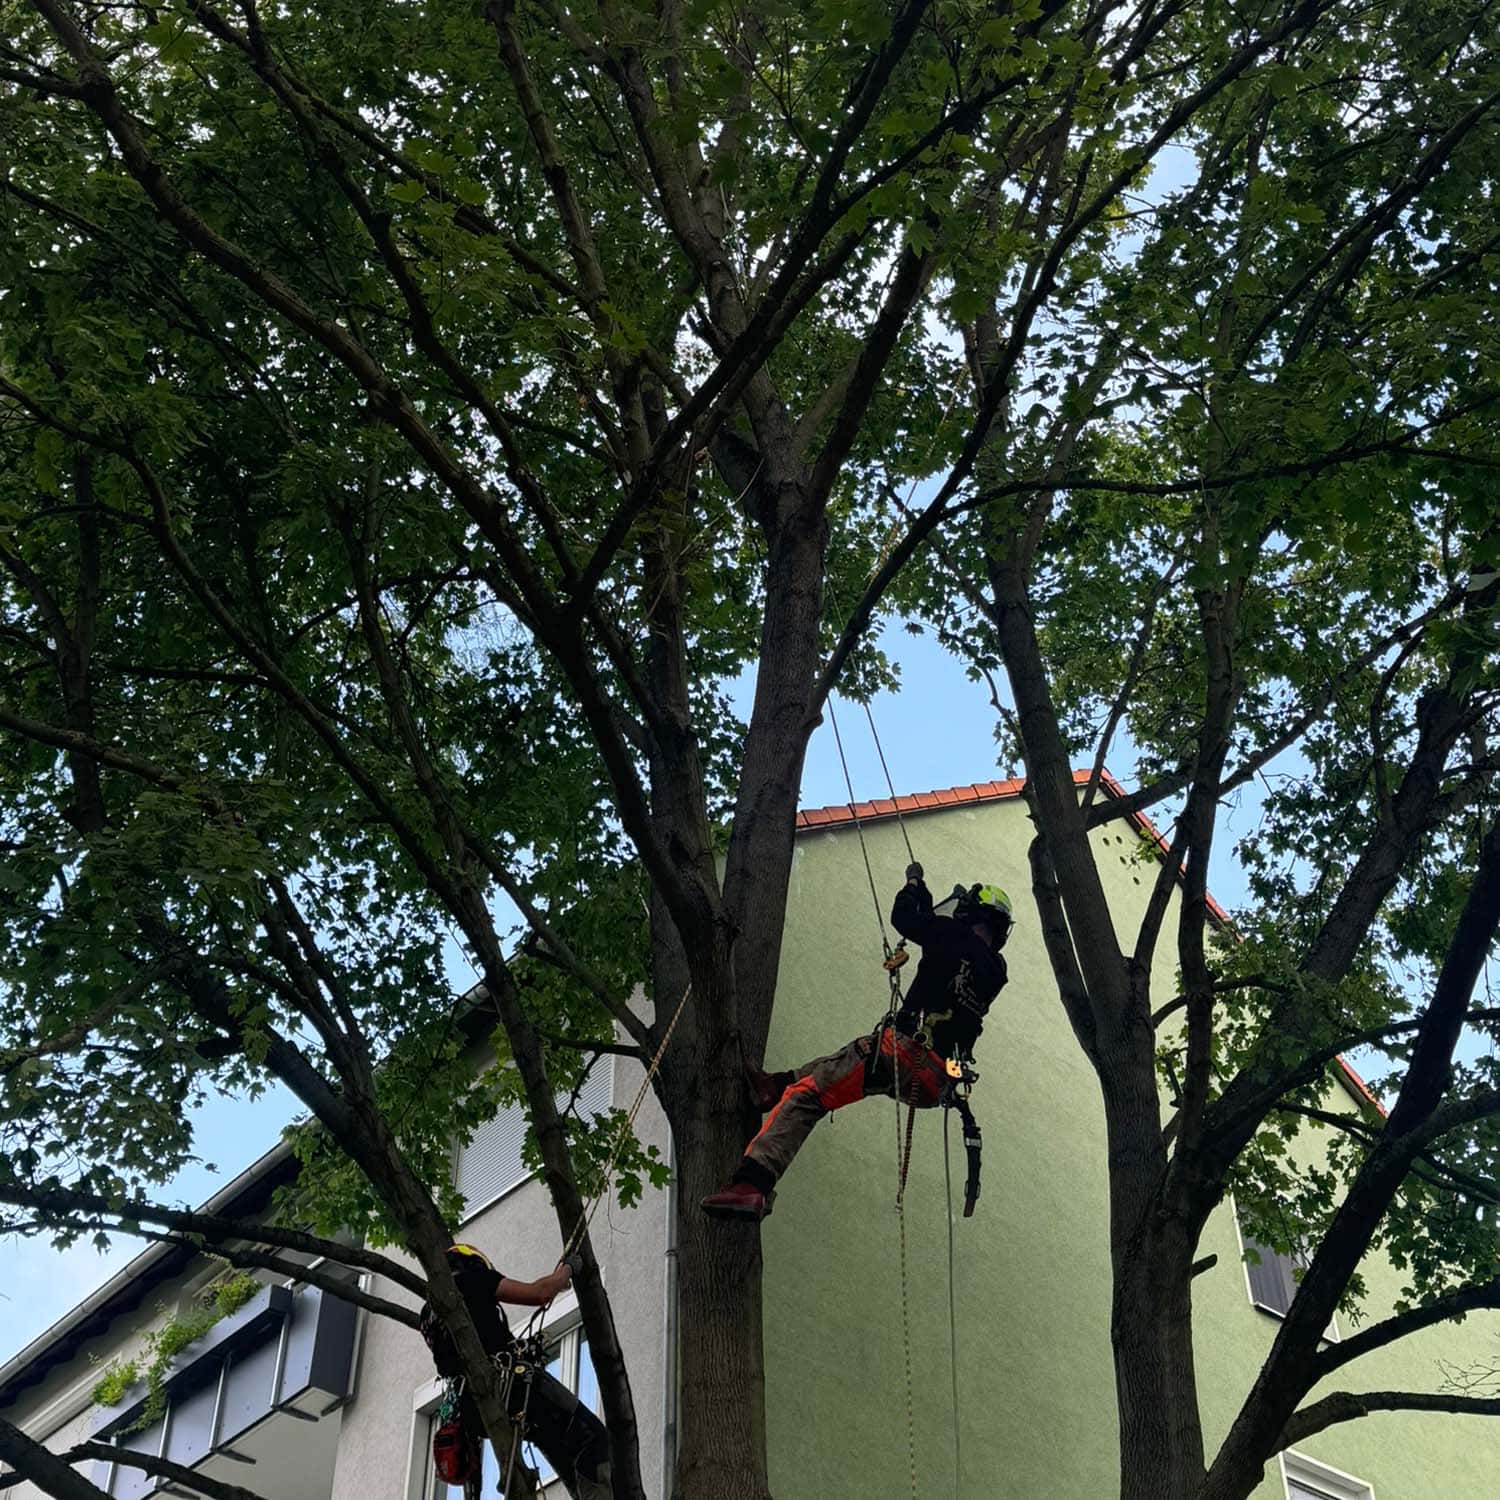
[(456, 1452)]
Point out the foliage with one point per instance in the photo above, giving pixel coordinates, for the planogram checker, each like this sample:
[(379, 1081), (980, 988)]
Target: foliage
[(162, 1345), (422, 423)]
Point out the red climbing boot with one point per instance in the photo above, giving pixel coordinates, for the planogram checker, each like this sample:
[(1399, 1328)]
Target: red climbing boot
[(767, 1088), (738, 1201)]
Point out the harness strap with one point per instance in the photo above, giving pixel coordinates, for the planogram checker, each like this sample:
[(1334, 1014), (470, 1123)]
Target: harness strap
[(519, 1362)]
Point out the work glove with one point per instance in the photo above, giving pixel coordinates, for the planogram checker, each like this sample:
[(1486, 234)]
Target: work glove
[(914, 871), (574, 1262)]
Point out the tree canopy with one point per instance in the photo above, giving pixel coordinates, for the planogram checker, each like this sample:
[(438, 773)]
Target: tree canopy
[(414, 418)]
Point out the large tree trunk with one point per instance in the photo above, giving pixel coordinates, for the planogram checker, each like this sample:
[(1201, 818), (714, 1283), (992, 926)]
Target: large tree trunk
[(1151, 1328), (732, 959), (722, 1435)]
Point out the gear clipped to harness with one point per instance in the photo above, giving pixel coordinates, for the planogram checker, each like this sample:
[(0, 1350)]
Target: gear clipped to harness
[(973, 1139)]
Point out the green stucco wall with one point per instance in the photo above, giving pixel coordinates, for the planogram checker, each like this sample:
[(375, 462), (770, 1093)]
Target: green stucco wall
[(1036, 1404)]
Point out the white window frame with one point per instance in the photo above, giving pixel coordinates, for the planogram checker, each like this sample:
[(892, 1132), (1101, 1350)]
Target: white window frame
[(1299, 1468), (562, 1323)]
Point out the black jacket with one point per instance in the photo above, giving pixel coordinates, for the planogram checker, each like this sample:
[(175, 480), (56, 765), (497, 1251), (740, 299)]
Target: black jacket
[(479, 1284), (956, 980)]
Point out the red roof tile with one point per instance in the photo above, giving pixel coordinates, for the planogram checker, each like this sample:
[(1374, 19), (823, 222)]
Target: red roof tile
[(1358, 1087), (980, 791)]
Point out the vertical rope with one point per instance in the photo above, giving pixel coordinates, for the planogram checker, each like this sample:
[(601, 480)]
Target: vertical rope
[(902, 1159), (859, 827), (890, 785), (903, 1147), (952, 1308)]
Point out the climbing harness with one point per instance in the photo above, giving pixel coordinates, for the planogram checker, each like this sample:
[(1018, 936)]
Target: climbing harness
[(519, 1363)]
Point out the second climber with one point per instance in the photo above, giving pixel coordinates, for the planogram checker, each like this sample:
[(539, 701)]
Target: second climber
[(940, 1019)]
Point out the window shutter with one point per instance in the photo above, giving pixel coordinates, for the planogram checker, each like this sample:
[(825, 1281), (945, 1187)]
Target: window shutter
[(490, 1164), (1272, 1284)]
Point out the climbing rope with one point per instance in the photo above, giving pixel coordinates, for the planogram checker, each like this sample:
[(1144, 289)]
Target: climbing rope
[(890, 785), (903, 1160), (586, 1218), (952, 1306), (859, 827), (911, 1120), (893, 961)]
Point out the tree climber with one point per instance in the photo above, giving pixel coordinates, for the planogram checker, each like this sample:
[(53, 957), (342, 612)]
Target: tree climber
[(940, 1019), (571, 1438)]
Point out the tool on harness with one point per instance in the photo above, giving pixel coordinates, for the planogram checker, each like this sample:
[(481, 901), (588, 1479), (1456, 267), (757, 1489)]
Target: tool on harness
[(973, 1142), (520, 1362), (456, 1451)]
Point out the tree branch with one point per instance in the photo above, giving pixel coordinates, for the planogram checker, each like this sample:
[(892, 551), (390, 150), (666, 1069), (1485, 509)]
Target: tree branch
[(163, 1468), (1348, 1406), (51, 1473), (61, 1205), (346, 1291), (1450, 1306)]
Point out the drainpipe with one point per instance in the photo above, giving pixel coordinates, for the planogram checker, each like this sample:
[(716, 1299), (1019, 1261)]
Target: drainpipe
[(669, 1331)]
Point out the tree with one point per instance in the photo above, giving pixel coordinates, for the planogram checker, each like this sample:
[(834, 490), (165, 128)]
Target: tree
[(378, 380)]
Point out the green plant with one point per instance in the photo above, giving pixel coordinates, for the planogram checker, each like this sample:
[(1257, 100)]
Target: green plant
[(216, 1302), (232, 1293), (119, 1375)]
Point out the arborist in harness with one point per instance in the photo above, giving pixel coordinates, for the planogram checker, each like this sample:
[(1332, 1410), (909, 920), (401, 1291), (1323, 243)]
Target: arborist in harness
[(910, 1052), (571, 1438)]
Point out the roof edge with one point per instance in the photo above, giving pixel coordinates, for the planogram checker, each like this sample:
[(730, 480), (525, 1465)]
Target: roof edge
[(52, 1345), (881, 808)]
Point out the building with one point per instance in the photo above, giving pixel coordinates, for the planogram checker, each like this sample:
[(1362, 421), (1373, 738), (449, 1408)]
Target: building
[(333, 1406)]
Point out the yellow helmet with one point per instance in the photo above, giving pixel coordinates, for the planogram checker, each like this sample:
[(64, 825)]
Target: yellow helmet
[(990, 898), (471, 1250)]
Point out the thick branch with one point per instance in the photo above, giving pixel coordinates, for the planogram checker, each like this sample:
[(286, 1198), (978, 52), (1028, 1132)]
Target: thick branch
[(51, 1474), (62, 1204), (163, 1468), (1348, 1406), (1446, 1308), (336, 1286)]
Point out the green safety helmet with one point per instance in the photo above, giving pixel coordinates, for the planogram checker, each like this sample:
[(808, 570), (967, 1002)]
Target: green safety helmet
[(987, 903)]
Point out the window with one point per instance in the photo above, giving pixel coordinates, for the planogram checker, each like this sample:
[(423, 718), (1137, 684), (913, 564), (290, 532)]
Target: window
[(569, 1362), (1307, 1479), (1272, 1278), (489, 1166)]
